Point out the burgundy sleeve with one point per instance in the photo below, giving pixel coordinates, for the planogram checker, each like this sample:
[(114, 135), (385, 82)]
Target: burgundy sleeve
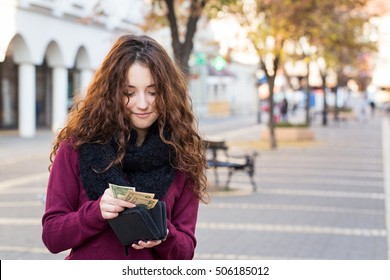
[(67, 222), (180, 243)]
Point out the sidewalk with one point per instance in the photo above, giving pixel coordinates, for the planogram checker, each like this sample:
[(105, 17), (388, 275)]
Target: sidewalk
[(320, 201)]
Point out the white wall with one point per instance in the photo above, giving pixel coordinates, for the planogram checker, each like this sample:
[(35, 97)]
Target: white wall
[(243, 91), (382, 63)]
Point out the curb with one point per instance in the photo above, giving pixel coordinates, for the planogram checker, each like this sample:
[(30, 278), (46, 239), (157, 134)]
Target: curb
[(386, 175)]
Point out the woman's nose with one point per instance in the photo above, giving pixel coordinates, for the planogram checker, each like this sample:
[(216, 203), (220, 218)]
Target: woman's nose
[(142, 101)]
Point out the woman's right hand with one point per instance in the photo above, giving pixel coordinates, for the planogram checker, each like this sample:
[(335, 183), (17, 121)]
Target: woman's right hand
[(110, 207)]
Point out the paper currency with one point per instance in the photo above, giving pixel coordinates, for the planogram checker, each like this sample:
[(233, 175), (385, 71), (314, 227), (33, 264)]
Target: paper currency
[(131, 195), (140, 195), (120, 191), (149, 203)]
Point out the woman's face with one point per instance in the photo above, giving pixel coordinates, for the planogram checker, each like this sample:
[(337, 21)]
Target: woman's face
[(141, 94)]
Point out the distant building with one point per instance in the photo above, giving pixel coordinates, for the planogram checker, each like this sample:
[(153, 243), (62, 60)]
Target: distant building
[(223, 87), (381, 35), (380, 75)]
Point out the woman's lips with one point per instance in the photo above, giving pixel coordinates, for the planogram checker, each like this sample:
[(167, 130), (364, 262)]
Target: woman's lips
[(142, 115)]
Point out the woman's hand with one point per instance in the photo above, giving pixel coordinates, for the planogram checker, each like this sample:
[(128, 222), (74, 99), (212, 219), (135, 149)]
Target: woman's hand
[(149, 244), (110, 207)]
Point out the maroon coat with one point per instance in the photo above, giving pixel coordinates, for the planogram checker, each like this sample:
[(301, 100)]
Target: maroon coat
[(73, 221)]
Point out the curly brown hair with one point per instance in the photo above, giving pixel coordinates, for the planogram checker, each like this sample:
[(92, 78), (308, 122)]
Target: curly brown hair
[(103, 114)]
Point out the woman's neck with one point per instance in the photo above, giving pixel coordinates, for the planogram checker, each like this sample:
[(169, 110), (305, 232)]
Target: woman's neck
[(139, 141)]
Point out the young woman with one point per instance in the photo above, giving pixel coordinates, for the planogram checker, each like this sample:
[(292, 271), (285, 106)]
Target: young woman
[(135, 127)]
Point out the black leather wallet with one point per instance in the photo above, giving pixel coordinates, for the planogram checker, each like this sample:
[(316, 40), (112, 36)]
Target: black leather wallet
[(140, 223)]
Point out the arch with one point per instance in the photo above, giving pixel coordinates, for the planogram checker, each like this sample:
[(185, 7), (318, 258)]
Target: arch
[(44, 95), (82, 60), (8, 92), (79, 75), (54, 55), (19, 50)]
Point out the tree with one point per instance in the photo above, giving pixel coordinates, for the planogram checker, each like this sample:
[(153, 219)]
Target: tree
[(339, 39), (271, 24), (182, 17), (333, 27)]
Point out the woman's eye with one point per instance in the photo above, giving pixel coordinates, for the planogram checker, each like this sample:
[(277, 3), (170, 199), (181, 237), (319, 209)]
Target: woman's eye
[(130, 94), (153, 93)]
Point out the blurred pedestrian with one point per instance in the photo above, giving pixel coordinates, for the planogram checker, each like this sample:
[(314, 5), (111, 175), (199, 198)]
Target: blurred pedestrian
[(284, 109), (135, 127), (372, 107), (294, 108), (363, 108)]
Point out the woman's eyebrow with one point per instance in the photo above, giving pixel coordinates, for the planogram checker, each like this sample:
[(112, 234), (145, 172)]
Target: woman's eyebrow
[(149, 86)]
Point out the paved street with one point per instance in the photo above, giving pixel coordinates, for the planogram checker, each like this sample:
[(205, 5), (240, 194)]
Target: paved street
[(319, 200)]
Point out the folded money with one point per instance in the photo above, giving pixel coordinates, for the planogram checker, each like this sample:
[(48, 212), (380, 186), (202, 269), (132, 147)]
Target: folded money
[(131, 195), (120, 191)]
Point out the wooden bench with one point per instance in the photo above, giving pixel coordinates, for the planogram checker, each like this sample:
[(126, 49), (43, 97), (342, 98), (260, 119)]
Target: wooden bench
[(218, 157)]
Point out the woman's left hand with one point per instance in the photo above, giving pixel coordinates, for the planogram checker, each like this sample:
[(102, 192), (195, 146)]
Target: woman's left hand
[(149, 244)]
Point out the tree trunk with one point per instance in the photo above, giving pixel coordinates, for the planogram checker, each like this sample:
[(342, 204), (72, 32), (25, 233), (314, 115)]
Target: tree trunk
[(339, 77), (271, 84), (183, 50), (336, 106), (325, 110)]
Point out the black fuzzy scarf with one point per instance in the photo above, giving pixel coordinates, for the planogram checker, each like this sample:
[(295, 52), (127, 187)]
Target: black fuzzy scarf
[(148, 167)]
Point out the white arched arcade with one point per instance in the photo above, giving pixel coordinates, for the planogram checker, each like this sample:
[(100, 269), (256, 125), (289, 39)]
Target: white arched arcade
[(59, 58)]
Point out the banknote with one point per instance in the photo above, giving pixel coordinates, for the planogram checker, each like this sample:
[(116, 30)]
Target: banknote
[(143, 194), (130, 194), (120, 191), (140, 195), (140, 198), (148, 203)]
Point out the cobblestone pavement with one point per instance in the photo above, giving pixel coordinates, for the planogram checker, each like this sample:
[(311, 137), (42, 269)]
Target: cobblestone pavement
[(323, 200), (320, 200)]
